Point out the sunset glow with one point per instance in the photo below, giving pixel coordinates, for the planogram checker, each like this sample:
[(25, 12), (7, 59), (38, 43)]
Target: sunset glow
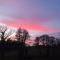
[(39, 16)]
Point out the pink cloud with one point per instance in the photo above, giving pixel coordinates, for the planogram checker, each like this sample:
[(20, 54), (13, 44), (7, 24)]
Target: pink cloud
[(28, 26)]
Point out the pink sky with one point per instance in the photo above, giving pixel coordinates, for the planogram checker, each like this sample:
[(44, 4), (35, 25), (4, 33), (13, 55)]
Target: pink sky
[(29, 26), (34, 15)]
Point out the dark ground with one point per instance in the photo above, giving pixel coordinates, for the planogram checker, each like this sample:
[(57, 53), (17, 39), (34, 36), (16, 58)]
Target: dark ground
[(29, 53), (17, 51)]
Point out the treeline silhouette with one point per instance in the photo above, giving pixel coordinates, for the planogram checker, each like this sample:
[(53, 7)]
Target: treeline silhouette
[(45, 46)]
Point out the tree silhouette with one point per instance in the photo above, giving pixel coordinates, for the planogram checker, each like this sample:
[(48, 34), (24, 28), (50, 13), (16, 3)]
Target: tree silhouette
[(22, 35), (5, 32), (25, 35), (3, 29), (37, 40), (18, 34), (44, 39), (52, 41)]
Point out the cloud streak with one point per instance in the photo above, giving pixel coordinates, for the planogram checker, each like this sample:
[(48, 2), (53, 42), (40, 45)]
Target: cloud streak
[(37, 15), (31, 26)]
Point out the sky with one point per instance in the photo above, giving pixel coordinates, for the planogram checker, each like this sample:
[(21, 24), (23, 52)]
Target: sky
[(36, 16)]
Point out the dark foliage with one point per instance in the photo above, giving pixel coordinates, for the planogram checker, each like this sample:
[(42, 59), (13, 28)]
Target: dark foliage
[(17, 49)]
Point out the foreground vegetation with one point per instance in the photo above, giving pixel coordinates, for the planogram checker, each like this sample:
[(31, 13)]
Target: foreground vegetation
[(45, 46), (15, 50)]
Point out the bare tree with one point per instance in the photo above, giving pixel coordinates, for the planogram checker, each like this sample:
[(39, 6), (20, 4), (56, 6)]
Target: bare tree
[(25, 35), (18, 34), (52, 41), (44, 39), (5, 32), (3, 29), (47, 40), (22, 35), (37, 41)]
